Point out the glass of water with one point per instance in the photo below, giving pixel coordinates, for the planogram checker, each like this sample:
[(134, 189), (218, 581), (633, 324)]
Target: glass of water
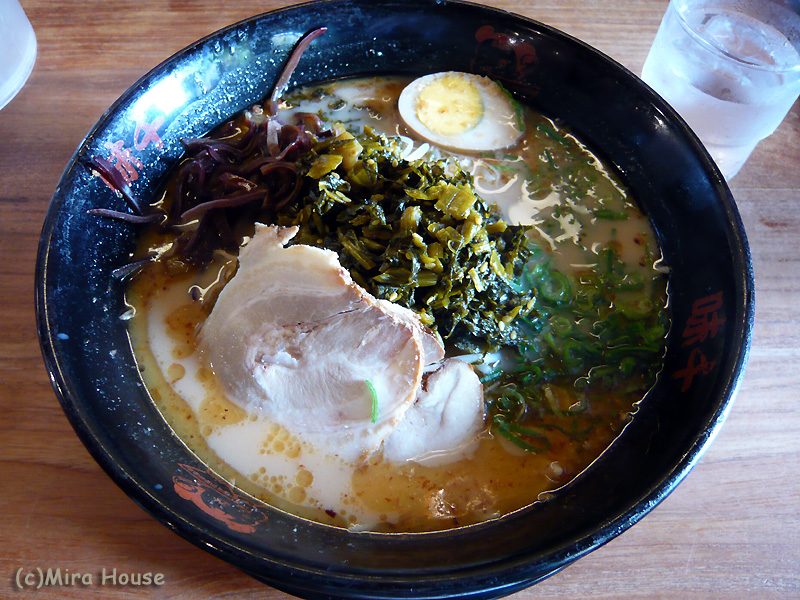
[(731, 68), (17, 49)]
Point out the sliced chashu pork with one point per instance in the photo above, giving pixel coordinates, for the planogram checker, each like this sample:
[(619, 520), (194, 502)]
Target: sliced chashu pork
[(444, 422), (292, 337), (432, 346)]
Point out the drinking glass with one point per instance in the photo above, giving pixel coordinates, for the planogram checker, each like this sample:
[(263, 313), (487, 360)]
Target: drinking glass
[(17, 49), (731, 68)]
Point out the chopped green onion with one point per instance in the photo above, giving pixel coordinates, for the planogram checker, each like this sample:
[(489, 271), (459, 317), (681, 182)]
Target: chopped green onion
[(555, 288), (496, 374), (610, 215), (514, 433), (374, 396), (636, 308)]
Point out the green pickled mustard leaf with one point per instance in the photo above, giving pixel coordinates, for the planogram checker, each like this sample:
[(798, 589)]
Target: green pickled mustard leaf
[(416, 233)]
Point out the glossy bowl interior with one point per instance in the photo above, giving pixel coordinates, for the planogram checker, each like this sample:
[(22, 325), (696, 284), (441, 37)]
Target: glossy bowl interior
[(88, 354)]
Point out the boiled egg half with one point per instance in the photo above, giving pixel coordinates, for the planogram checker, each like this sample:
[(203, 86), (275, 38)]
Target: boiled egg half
[(461, 111)]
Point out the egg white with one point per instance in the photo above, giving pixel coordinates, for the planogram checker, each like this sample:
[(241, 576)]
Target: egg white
[(466, 126)]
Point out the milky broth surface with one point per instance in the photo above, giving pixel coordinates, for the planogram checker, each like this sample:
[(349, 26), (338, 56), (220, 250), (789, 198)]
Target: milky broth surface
[(553, 185)]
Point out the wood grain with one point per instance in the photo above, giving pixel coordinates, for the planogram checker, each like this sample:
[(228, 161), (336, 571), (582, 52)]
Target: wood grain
[(730, 531)]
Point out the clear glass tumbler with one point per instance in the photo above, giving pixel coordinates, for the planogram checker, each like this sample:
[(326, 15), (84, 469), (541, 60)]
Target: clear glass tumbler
[(731, 68), (17, 49)]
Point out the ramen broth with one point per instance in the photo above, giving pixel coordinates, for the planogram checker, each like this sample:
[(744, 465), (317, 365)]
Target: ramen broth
[(574, 208)]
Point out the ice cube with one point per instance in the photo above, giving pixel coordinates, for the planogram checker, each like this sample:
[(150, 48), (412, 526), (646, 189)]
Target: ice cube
[(745, 38)]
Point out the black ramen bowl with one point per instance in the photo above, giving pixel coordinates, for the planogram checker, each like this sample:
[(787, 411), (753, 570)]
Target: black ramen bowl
[(87, 350)]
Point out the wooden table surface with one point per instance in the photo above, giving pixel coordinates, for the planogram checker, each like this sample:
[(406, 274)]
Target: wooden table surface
[(731, 530)]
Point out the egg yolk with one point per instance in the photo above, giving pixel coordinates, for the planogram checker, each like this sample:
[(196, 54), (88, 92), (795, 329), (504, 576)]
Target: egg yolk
[(449, 105)]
